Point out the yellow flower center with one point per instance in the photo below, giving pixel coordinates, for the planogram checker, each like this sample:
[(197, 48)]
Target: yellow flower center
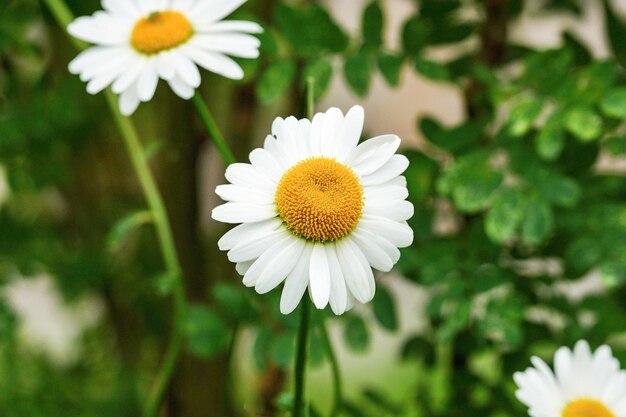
[(320, 199), (586, 408), (160, 31)]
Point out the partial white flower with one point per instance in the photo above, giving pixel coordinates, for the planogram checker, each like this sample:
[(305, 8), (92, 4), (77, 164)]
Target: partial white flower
[(584, 384), (137, 42), (317, 210), (46, 323)]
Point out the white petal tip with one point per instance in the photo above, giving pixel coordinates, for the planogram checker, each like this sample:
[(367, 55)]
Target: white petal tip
[(357, 109)]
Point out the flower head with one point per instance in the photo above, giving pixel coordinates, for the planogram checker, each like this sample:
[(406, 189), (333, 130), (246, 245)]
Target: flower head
[(138, 42), (317, 211), (584, 384)]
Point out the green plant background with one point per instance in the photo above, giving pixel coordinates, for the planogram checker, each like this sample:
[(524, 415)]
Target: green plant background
[(519, 181)]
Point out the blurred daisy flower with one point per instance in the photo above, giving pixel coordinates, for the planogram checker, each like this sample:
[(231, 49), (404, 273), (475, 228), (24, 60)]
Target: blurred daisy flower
[(317, 211), (584, 384), (139, 41)]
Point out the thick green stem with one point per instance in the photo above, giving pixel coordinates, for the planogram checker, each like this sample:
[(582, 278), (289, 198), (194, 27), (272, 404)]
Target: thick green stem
[(334, 366), (211, 126), (164, 232), (300, 406)]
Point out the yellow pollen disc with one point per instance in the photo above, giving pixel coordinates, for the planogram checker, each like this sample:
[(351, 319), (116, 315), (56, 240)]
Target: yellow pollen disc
[(160, 31), (586, 408), (320, 199)]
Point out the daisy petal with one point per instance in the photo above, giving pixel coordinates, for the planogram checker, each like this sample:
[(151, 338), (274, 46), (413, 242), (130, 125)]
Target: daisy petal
[(129, 101), (373, 154), (282, 264), (338, 292), (319, 276), (247, 232), (266, 259), (234, 26), (215, 62), (296, 282), (352, 130), (395, 166), (356, 271), (252, 248), (238, 194), (394, 210), (243, 212), (400, 234)]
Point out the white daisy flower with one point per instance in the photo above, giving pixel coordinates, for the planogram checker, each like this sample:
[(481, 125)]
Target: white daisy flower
[(584, 384), (139, 41), (317, 211)]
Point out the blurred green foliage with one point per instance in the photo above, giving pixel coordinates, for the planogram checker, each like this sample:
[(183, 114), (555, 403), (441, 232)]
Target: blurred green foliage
[(521, 188)]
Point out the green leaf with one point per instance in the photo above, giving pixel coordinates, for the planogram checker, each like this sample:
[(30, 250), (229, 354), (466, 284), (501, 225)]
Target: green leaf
[(125, 226), (523, 114), (474, 192), (502, 320), (385, 309), (456, 139), (616, 145), (505, 214), (551, 138), (559, 190), (417, 348), (587, 86), (356, 334), (382, 402), (269, 44), (616, 31), (614, 104), (439, 9), (317, 350), (451, 33), (584, 123), (538, 221), (456, 321), (486, 365), (321, 71), (390, 66), (310, 30), (275, 80), (583, 254), (580, 51), (8, 323), (431, 69), (414, 35), (471, 181), (284, 401), (232, 302), (282, 349), (419, 175), (205, 332), (261, 347), (613, 274), (358, 73), (546, 71), (373, 24)]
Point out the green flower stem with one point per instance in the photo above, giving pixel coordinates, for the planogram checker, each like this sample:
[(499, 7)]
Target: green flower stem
[(334, 365), (300, 406), (154, 200), (211, 126), (168, 249), (310, 97)]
